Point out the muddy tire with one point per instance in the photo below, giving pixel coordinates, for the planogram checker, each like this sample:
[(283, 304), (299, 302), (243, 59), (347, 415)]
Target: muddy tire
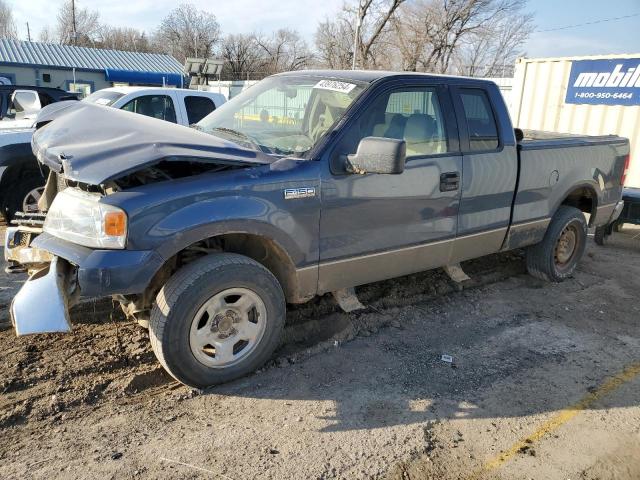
[(217, 319), (555, 258)]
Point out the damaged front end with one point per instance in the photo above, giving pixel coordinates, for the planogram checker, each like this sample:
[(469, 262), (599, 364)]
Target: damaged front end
[(42, 304), (78, 246)]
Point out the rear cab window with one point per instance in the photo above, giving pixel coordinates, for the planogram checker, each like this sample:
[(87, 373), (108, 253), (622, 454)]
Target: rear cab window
[(480, 120), (198, 107)]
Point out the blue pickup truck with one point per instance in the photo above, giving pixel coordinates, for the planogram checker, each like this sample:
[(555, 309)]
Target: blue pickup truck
[(307, 183)]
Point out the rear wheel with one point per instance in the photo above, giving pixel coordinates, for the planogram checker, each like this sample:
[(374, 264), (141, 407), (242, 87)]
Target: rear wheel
[(557, 255), (217, 319)]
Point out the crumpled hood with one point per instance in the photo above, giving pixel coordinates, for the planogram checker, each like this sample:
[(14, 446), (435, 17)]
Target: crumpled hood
[(93, 144)]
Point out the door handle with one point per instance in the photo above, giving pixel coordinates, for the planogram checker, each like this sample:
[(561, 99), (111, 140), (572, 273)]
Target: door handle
[(449, 181)]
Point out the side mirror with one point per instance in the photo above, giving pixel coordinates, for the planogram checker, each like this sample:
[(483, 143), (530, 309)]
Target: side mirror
[(378, 155), (26, 102)]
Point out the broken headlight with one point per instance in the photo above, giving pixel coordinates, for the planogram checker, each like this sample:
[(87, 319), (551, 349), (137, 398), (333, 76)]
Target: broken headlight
[(81, 218)]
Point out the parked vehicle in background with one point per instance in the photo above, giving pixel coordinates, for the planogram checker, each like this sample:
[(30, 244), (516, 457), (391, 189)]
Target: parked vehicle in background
[(19, 104), (22, 179), (175, 105), (630, 214), (307, 183)]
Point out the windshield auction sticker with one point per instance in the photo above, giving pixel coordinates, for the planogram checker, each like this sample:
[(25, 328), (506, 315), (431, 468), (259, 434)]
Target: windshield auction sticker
[(335, 85), (604, 82)]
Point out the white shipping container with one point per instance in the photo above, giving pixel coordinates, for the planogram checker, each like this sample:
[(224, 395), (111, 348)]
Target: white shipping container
[(538, 103)]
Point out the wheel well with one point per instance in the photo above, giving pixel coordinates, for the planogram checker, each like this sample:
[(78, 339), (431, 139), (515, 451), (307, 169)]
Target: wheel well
[(266, 252), (261, 249), (584, 199)]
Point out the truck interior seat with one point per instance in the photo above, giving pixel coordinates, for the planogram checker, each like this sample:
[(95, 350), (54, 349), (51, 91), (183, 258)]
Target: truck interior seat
[(419, 133)]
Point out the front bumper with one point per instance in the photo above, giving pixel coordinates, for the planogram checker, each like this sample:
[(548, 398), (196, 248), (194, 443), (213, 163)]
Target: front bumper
[(42, 305), (48, 287), (102, 273)]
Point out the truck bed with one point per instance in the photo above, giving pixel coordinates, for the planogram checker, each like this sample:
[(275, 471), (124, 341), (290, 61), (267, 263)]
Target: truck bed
[(536, 139), (552, 164)]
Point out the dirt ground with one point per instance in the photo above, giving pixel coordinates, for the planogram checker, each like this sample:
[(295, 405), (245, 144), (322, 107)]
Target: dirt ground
[(544, 384)]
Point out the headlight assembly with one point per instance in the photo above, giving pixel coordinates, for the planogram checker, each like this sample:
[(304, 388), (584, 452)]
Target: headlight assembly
[(81, 218)]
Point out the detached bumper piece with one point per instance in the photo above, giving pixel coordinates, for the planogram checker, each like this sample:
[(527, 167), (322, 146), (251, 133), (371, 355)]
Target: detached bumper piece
[(42, 304)]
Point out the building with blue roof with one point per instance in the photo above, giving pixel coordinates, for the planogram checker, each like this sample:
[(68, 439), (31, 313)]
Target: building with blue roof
[(83, 69)]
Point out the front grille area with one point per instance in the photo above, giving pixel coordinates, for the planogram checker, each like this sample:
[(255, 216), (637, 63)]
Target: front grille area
[(34, 220)]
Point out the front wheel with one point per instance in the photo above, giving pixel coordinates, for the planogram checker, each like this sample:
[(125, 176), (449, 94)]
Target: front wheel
[(555, 258), (217, 319)]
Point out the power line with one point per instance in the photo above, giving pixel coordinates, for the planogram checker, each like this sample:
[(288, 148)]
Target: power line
[(589, 23)]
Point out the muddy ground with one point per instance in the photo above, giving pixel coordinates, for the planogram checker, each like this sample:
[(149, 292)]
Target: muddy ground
[(545, 384)]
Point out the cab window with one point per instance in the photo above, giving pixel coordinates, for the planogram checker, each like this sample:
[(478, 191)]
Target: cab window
[(481, 123), (413, 115), (198, 108), (156, 106)]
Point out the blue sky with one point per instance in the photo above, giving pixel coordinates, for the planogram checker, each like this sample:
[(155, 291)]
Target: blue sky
[(622, 36), (265, 15)]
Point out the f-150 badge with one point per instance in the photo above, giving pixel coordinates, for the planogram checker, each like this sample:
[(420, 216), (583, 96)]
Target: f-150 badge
[(302, 192)]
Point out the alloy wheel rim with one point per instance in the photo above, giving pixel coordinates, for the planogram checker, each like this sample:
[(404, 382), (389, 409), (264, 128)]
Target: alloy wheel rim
[(228, 327), (30, 201)]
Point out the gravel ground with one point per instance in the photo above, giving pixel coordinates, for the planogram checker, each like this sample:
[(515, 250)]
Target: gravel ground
[(545, 384)]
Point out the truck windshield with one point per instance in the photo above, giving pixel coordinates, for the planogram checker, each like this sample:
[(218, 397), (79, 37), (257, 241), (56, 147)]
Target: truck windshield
[(105, 98), (283, 115)]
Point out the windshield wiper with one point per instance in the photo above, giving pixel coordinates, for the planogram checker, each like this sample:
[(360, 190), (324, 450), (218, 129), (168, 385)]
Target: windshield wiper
[(235, 133), (241, 135)]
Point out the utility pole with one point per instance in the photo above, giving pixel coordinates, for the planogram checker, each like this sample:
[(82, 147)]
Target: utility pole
[(74, 37), (28, 33), (356, 40)]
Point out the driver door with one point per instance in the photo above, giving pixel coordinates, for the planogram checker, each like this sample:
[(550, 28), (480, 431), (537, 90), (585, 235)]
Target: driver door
[(379, 226)]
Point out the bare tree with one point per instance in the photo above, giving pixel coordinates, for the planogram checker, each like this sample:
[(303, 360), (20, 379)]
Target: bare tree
[(7, 24), (436, 35), (242, 56), (334, 42), (374, 16), (124, 38), (47, 35), (86, 29), (492, 50), (335, 38), (188, 32), (283, 51)]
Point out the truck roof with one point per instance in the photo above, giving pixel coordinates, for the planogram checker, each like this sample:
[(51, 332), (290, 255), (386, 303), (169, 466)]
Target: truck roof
[(130, 89), (374, 75)]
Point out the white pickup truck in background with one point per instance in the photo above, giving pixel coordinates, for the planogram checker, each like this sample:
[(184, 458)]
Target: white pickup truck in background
[(21, 179)]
